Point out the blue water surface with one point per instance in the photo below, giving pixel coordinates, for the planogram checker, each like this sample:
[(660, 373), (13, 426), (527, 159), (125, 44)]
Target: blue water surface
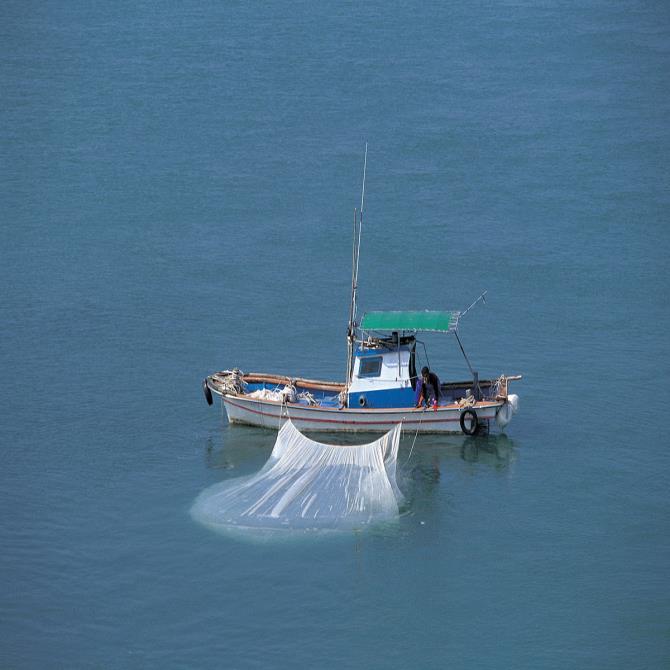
[(178, 186)]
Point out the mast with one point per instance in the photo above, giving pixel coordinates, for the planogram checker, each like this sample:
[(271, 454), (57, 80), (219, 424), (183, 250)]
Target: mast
[(355, 254)]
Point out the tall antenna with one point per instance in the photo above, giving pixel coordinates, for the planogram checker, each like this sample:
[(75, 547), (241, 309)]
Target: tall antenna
[(360, 230), (365, 165), (358, 226)]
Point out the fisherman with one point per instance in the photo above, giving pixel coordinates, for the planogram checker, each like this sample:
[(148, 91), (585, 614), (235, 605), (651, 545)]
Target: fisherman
[(428, 389)]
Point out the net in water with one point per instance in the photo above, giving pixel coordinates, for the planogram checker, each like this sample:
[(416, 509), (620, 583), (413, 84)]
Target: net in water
[(309, 485)]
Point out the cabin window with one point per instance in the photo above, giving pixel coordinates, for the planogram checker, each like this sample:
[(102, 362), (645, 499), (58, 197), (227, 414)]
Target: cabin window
[(370, 367)]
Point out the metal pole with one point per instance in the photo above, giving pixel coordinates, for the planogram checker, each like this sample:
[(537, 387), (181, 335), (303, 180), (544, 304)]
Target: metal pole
[(463, 352), (356, 252), (360, 224), (352, 304), (481, 297), (475, 375)]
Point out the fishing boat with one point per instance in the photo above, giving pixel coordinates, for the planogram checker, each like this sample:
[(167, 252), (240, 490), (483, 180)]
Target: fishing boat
[(381, 387)]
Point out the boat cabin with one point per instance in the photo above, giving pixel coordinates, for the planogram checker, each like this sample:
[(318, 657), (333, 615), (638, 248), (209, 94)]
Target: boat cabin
[(384, 372)]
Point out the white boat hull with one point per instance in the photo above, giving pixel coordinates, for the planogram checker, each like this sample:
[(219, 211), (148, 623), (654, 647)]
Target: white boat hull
[(272, 414)]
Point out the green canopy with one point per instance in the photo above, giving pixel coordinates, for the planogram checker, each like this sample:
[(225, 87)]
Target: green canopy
[(438, 322)]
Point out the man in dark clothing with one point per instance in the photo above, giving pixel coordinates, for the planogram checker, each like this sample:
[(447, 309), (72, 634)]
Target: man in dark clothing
[(427, 388)]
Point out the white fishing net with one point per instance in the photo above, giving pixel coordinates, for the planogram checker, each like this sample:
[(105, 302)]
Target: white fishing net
[(309, 485)]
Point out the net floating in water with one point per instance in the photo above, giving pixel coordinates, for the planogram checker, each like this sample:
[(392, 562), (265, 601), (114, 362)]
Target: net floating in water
[(309, 485)]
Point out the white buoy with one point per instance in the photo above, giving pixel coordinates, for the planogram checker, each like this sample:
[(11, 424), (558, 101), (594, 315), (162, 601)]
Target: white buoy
[(504, 414)]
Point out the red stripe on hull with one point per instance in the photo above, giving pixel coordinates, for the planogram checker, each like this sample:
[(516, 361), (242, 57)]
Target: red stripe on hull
[(422, 420)]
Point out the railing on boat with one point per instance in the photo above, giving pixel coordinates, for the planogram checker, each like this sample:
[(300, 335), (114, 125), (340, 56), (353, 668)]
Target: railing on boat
[(337, 387)]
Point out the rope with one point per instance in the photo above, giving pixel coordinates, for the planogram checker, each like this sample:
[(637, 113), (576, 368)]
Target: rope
[(306, 395), (281, 413), (415, 436), (231, 383), (497, 386), (284, 406), (470, 401)]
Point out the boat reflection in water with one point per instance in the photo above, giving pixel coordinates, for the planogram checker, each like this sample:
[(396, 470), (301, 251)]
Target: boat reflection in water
[(241, 450), (434, 459)]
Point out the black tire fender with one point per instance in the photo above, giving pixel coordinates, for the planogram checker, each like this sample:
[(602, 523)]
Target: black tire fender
[(474, 426), (207, 391)]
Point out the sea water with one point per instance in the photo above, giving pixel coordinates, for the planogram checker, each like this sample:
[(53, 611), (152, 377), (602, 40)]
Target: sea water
[(178, 189)]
